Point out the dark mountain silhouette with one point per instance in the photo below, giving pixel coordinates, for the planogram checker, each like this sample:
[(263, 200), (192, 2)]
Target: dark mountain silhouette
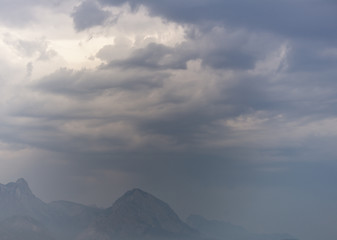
[(138, 214)]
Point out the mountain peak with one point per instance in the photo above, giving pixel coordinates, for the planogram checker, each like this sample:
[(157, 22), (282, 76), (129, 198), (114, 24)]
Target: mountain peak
[(136, 194), (138, 214), (21, 181), (137, 199), (136, 191), (16, 198), (20, 187)]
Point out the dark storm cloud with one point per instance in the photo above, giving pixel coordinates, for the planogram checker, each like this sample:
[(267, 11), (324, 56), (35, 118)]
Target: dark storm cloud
[(90, 84), (156, 57), (226, 59), (89, 14), (309, 56), (188, 117), (312, 18), (218, 49), (180, 118)]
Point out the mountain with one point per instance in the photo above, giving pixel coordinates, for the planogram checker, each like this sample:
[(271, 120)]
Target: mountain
[(16, 199), (23, 228), (63, 219), (226, 231), (139, 215), (136, 214)]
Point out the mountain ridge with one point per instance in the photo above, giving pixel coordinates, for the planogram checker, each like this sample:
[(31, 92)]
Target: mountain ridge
[(136, 215)]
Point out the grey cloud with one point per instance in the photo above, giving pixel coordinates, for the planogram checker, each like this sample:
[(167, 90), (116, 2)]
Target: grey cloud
[(173, 113), (176, 114), (229, 59), (155, 57), (314, 19), (89, 14), (175, 117), (230, 49), (90, 84), (217, 49), (311, 57)]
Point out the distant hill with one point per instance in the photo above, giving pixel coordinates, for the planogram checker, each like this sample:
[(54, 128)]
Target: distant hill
[(139, 215)]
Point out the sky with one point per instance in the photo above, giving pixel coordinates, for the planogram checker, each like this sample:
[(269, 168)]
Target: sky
[(224, 108)]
